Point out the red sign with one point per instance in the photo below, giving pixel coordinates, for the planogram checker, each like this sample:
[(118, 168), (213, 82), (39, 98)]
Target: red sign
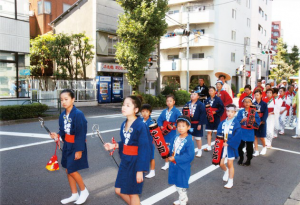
[(109, 67), (248, 74)]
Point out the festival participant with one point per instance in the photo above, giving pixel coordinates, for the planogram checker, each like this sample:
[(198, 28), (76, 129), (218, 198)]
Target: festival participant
[(283, 84), (271, 82), (283, 110), (272, 109), (146, 111), (296, 107), (225, 77), (261, 132), (197, 114), (230, 129), (134, 150), (247, 132), (217, 108), (168, 116), (182, 149), (259, 86), (278, 103), (202, 90), (264, 92), (291, 115), (226, 99), (72, 130), (247, 92)]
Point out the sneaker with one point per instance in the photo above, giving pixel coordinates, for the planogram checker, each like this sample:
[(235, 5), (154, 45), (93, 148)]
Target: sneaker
[(176, 202), (296, 136), (166, 166), (281, 133), (73, 198), (229, 184), (256, 153), (83, 196), (208, 149), (263, 151), (247, 163), (269, 146), (151, 174), (199, 153), (226, 175)]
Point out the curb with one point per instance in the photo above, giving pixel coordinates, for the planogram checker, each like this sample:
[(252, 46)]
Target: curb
[(294, 198), (21, 121)]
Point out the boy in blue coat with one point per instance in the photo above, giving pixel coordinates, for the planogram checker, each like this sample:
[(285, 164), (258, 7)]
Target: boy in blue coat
[(230, 129), (182, 149), (146, 111), (169, 115), (248, 134), (198, 119)]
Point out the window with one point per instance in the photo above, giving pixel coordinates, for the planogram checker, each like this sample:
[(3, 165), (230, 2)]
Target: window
[(173, 12), (197, 55), (262, 14), (276, 26), (265, 32), (248, 22), (66, 7), (233, 35), (248, 3), (7, 8), (264, 64), (232, 57), (259, 10), (259, 45), (171, 57), (274, 40), (266, 17), (233, 14), (47, 7), (238, 1), (112, 41), (275, 33), (266, 2), (274, 48)]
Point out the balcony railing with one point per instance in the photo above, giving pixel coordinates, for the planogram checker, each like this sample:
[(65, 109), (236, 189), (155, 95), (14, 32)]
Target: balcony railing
[(202, 64), (195, 17)]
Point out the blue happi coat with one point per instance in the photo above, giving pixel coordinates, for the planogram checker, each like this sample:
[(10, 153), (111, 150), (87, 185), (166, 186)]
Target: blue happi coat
[(216, 102), (180, 172), (152, 146), (263, 107), (234, 137), (247, 135), (137, 135), (75, 124), (175, 113), (199, 115)]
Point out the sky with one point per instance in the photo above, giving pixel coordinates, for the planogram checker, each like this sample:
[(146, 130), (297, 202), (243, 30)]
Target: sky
[(287, 11)]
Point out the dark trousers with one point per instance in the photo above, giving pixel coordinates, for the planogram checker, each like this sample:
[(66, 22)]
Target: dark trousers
[(249, 150)]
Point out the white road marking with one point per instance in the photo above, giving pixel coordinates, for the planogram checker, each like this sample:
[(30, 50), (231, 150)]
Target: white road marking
[(26, 145), (21, 134), (283, 150), (157, 113)]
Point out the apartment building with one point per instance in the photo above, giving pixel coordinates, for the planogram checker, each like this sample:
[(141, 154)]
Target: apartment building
[(42, 12), (260, 38), (14, 50), (276, 33)]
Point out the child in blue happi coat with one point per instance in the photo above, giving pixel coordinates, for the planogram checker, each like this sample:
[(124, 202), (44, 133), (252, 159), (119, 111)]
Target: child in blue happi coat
[(146, 111), (230, 129), (72, 130), (169, 115), (134, 150), (182, 150)]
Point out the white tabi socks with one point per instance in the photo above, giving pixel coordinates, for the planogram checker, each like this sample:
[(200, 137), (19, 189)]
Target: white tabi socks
[(166, 166), (151, 174), (229, 184), (74, 197), (83, 196), (226, 175), (183, 199)]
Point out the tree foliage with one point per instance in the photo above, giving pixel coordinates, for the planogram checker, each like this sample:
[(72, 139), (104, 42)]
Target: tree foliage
[(139, 29), (283, 70)]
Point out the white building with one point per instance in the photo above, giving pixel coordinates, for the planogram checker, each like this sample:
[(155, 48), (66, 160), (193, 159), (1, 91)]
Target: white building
[(223, 28), (261, 25)]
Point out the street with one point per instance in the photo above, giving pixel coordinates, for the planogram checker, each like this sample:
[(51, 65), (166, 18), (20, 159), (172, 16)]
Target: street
[(26, 148)]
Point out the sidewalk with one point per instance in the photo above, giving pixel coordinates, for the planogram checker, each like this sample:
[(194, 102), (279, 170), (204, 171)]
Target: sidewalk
[(294, 198)]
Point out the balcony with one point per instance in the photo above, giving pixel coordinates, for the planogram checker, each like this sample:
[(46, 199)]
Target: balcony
[(166, 66), (198, 64), (170, 42), (205, 40), (176, 19), (198, 17), (174, 2)]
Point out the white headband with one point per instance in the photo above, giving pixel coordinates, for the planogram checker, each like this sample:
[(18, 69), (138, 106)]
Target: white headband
[(231, 108)]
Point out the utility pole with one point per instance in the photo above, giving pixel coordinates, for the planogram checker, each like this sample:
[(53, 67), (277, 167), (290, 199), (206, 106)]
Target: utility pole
[(244, 67), (158, 68), (188, 52)]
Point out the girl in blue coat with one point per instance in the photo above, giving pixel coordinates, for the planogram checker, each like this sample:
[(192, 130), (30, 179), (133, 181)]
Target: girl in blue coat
[(72, 130), (182, 149), (248, 134), (230, 129), (169, 115), (218, 108), (134, 150), (198, 119)]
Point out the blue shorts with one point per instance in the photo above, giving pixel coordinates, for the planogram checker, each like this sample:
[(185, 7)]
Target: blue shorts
[(196, 133)]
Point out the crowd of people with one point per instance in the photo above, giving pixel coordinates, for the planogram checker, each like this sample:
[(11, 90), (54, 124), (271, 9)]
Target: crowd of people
[(263, 113)]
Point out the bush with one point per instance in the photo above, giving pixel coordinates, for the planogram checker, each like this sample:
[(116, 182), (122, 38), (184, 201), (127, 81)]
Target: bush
[(242, 90), (154, 101), (13, 112), (182, 97)]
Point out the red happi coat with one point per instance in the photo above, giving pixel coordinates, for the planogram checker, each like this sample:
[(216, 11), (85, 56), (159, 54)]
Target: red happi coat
[(226, 99)]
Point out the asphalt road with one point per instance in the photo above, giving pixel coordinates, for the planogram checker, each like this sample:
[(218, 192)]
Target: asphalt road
[(25, 150)]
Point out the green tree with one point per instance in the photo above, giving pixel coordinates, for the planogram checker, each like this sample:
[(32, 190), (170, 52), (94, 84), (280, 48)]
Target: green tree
[(41, 64), (294, 58), (282, 69), (139, 29)]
